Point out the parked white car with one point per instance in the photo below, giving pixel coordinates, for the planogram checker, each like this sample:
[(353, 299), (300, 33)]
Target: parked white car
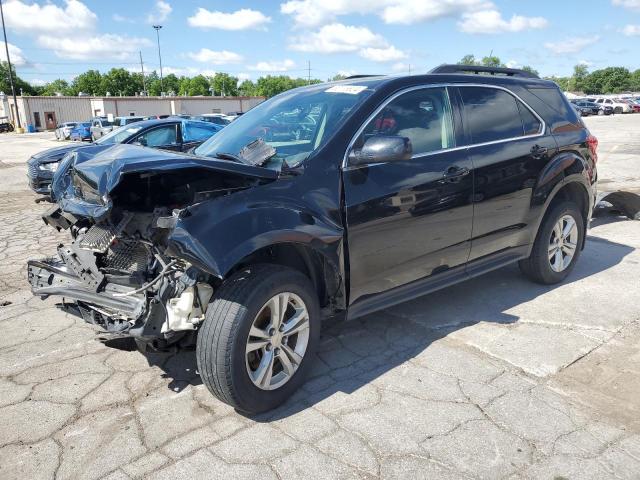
[(63, 131), (618, 107)]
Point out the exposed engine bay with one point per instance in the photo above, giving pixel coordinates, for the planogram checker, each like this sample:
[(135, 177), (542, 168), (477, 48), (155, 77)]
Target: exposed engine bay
[(120, 279), (115, 272)]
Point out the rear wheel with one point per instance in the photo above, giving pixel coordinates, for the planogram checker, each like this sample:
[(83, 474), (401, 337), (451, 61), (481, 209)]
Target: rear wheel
[(617, 110), (557, 245), (258, 338)]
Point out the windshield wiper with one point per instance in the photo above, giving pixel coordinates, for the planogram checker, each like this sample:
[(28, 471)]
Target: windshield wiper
[(228, 156)]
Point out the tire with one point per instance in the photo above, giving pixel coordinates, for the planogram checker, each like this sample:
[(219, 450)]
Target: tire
[(222, 341), (617, 110), (600, 113), (538, 267)]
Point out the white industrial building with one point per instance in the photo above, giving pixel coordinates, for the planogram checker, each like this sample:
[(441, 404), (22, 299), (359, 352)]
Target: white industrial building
[(45, 113)]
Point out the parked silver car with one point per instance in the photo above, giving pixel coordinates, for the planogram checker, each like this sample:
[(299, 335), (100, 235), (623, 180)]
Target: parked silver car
[(100, 126), (63, 131)]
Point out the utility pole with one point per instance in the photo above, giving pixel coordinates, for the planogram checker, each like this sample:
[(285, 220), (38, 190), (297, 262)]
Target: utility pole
[(308, 72), (157, 28), (409, 69), (144, 81), (13, 87)]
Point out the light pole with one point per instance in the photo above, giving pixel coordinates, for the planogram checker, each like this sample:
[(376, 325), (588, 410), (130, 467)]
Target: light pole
[(13, 88), (157, 28)]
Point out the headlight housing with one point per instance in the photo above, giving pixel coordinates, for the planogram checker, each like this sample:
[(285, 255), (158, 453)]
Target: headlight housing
[(49, 167)]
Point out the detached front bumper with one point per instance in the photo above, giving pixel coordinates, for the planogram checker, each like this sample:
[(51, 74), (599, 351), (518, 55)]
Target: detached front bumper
[(54, 277)]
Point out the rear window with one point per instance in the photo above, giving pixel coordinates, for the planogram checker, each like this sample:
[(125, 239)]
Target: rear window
[(491, 114)]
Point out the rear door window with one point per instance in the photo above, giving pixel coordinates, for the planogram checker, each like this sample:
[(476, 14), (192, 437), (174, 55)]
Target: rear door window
[(159, 137), (491, 114), (197, 133)]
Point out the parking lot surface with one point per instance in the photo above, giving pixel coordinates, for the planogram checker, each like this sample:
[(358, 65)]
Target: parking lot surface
[(493, 378)]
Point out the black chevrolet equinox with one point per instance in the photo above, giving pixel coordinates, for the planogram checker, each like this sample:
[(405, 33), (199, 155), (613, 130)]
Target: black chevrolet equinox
[(328, 201)]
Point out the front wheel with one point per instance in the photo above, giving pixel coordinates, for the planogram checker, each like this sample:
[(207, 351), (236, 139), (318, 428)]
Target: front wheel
[(557, 245), (259, 337)]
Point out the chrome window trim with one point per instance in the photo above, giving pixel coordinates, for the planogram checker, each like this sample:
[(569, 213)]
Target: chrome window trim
[(541, 132)]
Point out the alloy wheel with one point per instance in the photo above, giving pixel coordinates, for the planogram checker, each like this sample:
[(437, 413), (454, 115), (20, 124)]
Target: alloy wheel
[(277, 341), (563, 243)]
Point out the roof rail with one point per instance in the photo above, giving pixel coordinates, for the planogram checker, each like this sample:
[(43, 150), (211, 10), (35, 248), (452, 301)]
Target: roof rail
[(351, 77), (477, 69)]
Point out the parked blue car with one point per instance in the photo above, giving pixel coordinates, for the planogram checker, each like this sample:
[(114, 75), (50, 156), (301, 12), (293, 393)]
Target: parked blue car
[(82, 131), (173, 133)]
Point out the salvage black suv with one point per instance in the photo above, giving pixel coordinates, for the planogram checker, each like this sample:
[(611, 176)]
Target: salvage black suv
[(332, 200)]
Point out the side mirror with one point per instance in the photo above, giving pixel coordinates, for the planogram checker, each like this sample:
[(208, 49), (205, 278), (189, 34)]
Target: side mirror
[(382, 148), (141, 142)]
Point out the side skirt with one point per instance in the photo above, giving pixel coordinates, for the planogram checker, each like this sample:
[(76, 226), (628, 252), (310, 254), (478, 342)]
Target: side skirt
[(404, 293)]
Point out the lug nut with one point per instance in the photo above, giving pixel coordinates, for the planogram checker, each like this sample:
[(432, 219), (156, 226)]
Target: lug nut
[(281, 328), (272, 332), (276, 351), (268, 347)]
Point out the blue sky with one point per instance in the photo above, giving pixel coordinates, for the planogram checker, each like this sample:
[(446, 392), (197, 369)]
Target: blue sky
[(61, 38)]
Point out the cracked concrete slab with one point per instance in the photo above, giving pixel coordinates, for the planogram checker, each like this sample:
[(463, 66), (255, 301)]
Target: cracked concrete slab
[(494, 378)]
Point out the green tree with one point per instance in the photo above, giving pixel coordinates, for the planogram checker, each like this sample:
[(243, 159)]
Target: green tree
[(19, 83), (337, 77), (247, 88), (223, 83), (56, 87), (88, 82), (468, 59), (578, 81), (492, 61), (118, 81), (529, 69), (562, 82), (171, 83), (608, 80)]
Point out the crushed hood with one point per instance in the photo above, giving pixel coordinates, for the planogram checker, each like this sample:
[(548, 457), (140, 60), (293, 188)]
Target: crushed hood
[(86, 177), (56, 153)]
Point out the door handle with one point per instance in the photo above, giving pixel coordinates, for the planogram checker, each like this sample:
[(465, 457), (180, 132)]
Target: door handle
[(538, 152), (454, 172)]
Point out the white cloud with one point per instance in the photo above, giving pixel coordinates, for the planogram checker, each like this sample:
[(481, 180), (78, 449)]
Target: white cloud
[(243, 19), (313, 13), (38, 82), (161, 12), (388, 54), (185, 71), (49, 18), (17, 56), (121, 19), (513, 64), (242, 76), (571, 45), (586, 63), (221, 57), (401, 67), (408, 12), (336, 38), (491, 21), (88, 47), (631, 4), (339, 38), (631, 30), (276, 66)]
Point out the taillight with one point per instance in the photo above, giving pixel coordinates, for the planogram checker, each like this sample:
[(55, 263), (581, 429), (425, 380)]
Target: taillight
[(592, 142)]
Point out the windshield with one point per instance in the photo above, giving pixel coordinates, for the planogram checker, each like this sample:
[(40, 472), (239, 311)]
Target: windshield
[(294, 123), (118, 136)]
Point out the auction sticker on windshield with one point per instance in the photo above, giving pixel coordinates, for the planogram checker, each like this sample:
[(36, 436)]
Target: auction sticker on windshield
[(350, 89)]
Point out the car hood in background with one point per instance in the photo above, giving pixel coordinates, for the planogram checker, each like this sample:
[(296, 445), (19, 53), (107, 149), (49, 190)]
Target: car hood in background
[(55, 154)]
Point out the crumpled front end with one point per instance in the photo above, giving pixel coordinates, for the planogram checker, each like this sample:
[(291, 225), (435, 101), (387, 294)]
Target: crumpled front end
[(120, 207)]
